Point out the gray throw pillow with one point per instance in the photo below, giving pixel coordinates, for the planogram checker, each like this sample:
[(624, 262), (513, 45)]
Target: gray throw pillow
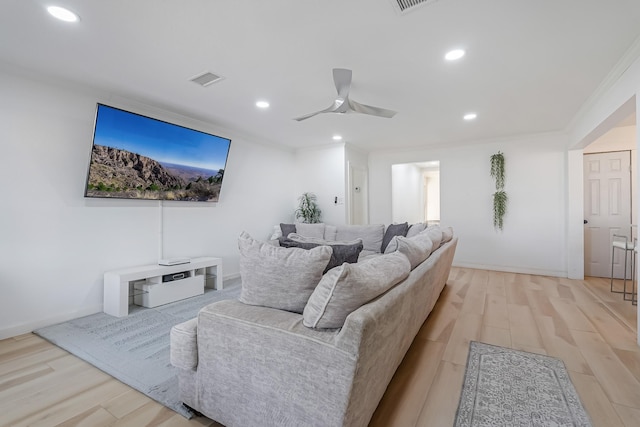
[(392, 231), (341, 253), (287, 229), (276, 277), (348, 287)]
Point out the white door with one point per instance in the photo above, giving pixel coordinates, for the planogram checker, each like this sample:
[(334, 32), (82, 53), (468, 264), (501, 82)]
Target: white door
[(607, 210)]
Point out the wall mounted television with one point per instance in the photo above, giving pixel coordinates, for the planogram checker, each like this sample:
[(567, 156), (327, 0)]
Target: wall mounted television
[(138, 157)]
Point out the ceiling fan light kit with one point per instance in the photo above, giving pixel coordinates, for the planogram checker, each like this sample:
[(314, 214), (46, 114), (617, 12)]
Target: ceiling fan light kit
[(343, 104)]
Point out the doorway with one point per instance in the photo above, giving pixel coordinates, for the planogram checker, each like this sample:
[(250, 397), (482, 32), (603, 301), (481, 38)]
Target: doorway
[(415, 192), (607, 211)]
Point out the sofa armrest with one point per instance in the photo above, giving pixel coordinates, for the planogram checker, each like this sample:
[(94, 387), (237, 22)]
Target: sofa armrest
[(262, 366), (184, 345)]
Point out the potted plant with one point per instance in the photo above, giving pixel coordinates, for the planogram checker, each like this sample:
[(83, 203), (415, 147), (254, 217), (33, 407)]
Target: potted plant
[(308, 210), (500, 196)]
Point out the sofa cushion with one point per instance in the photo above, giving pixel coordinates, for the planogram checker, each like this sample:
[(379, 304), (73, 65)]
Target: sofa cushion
[(341, 252), (310, 230), (276, 277), (346, 288), (364, 255), (447, 234), (435, 234), (183, 352), (371, 235), (392, 231), (416, 249), (303, 239), (330, 232), (416, 228)]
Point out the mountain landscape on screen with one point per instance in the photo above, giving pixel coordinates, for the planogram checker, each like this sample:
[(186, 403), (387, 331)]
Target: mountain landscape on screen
[(120, 173)]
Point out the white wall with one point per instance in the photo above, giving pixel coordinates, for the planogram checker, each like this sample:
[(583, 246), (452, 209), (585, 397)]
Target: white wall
[(406, 193), (55, 245), (322, 171), (533, 240)]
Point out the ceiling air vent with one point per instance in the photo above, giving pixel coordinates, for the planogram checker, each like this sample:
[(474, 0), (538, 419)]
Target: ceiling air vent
[(206, 79), (405, 6)]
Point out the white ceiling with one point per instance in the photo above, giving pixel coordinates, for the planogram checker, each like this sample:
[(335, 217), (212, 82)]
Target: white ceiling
[(530, 64)]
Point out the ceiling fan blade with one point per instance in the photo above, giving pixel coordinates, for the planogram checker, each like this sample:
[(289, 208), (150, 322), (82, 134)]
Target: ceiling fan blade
[(342, 80), (330, 109), (368, 109)]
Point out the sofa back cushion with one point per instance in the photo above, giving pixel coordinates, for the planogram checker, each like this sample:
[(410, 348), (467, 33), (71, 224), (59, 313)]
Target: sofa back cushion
[(277, 277), (346, 288), (310, 230), (371, 235)]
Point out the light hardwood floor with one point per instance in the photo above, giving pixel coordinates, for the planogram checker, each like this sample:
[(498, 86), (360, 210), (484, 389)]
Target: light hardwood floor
[(592, 330)]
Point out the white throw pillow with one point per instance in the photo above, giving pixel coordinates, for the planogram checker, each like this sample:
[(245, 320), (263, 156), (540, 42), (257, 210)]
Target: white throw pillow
[(277, 232), (346, 288), (276, 277)]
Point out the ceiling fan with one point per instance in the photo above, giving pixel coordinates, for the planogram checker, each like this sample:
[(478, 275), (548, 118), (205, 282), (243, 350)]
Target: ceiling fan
[(343, 104)]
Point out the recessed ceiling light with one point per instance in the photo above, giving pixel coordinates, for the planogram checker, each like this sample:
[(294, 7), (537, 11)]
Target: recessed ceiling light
[(337, 137), (262, 104), (470, 116), (63, 14), (452, 55)]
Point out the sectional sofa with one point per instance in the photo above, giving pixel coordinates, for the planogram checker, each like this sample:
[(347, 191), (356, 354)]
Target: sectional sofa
[(316, 354)]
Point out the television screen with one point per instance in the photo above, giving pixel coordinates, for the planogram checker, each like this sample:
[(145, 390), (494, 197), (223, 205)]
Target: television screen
[(137, 157)]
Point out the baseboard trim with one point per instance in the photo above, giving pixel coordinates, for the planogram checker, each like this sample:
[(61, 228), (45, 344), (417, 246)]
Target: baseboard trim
[(30, 326), (519, 270), (26, 327)]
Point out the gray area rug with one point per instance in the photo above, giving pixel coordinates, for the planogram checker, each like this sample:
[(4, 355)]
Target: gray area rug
[(135, 349), (505, 387)]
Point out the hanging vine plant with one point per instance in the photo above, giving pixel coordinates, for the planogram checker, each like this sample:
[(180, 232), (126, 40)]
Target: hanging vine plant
[(499, 208), (499, 197), (497, 169)]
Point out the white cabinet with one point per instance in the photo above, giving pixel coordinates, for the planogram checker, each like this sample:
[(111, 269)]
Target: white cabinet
[(149, 288)]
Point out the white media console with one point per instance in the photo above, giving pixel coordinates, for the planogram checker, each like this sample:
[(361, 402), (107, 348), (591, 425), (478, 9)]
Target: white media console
[(147, 282)]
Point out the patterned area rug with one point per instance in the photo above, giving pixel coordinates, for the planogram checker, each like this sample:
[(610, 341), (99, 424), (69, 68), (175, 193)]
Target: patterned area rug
[(135, 349), (505, 387)]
